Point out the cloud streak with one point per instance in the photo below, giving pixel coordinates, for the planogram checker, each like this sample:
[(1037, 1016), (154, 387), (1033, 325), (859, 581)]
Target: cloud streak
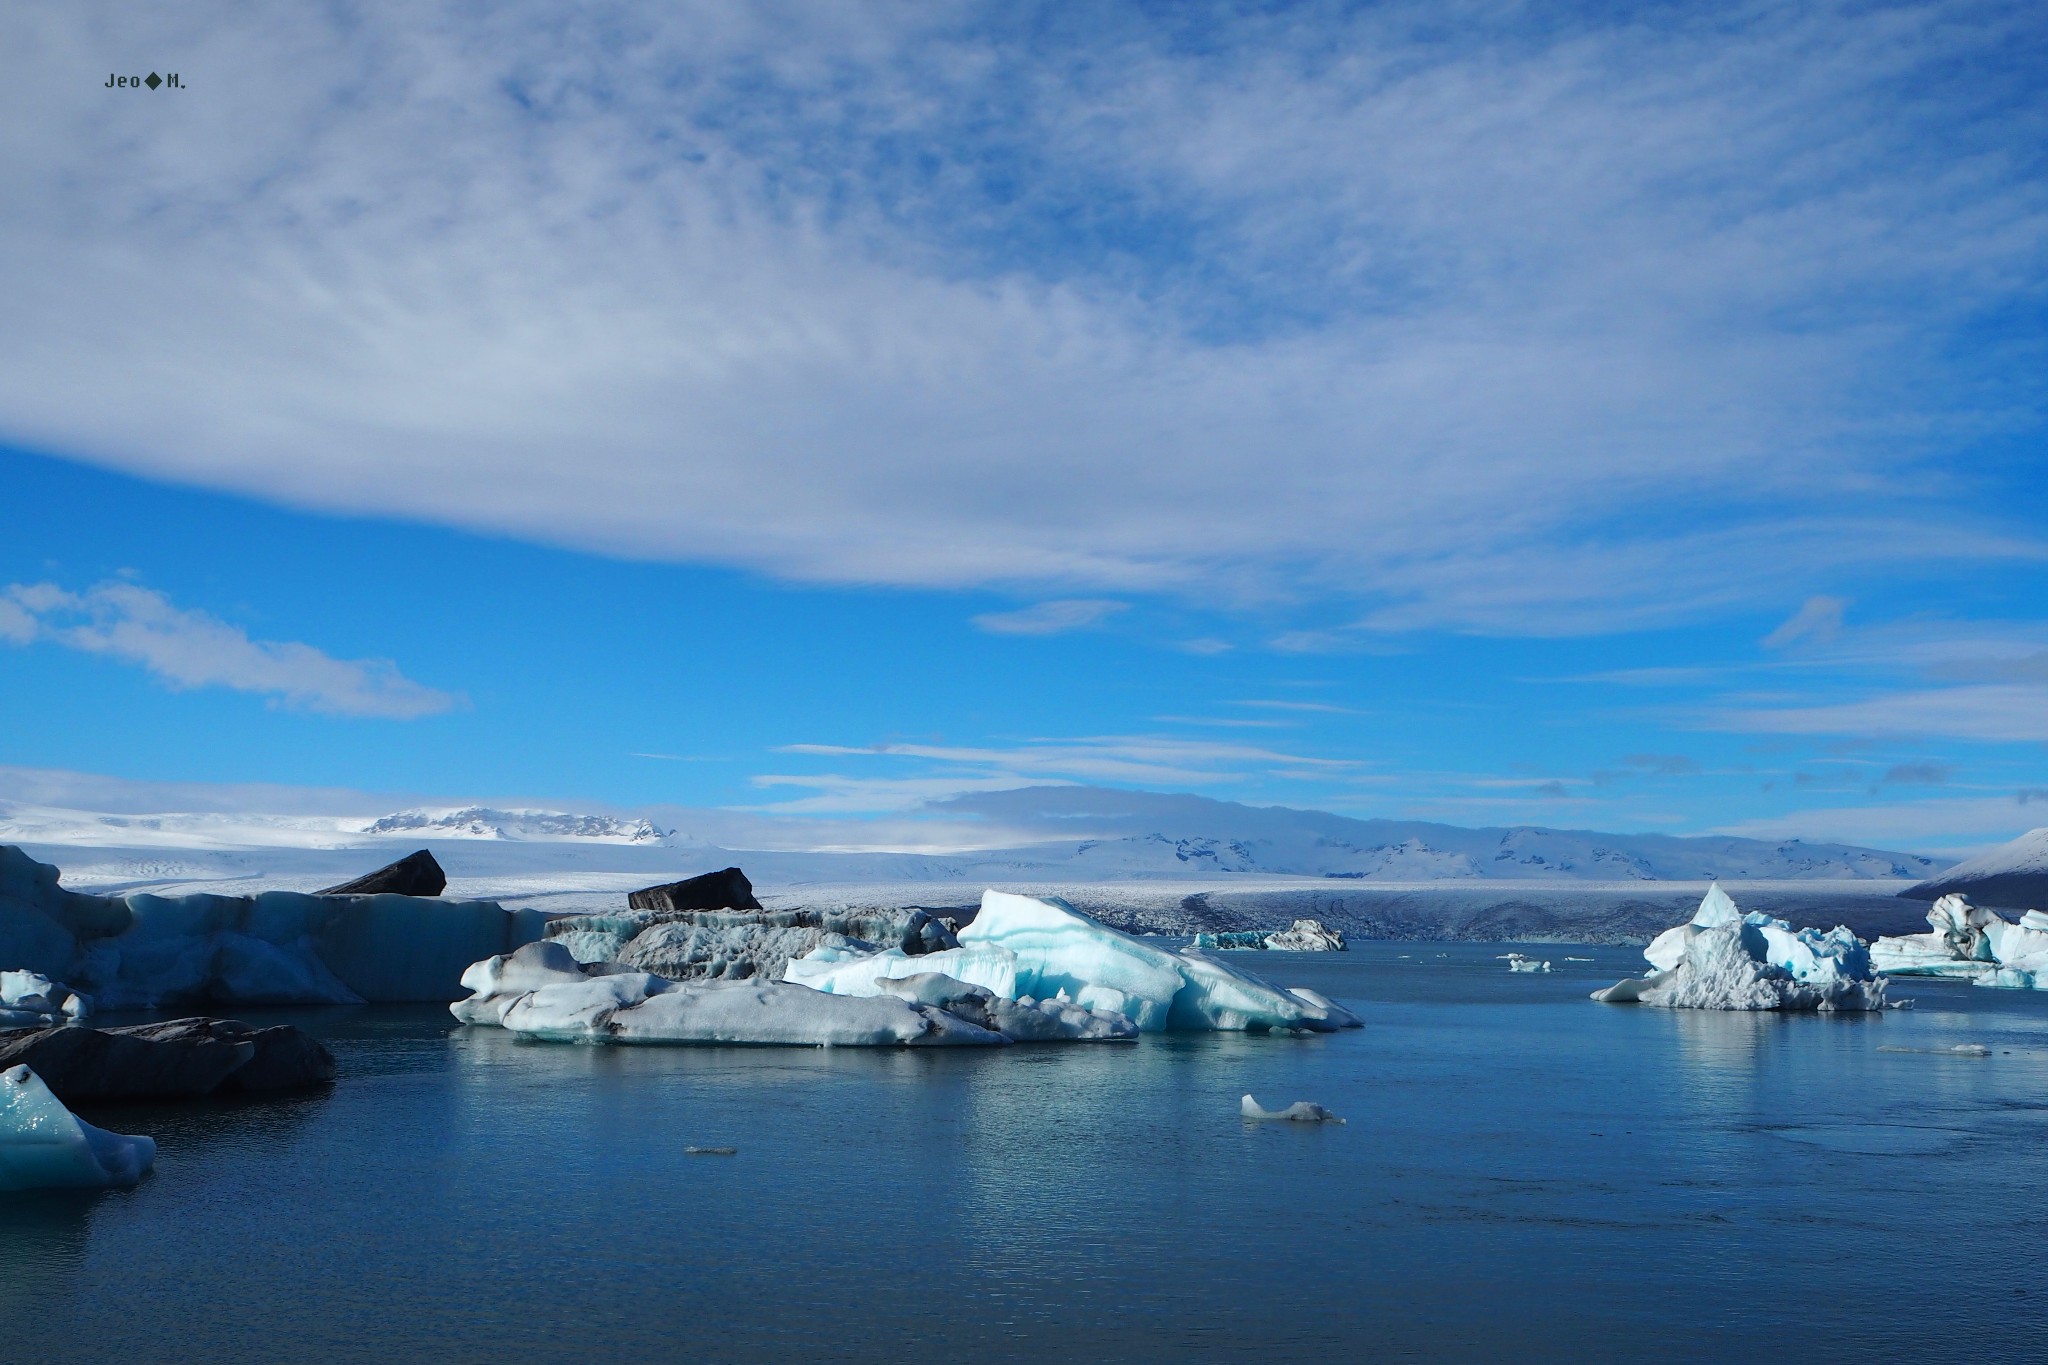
[(191, 649)]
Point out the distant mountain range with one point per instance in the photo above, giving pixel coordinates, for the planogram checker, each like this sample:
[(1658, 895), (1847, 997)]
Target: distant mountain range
[(1071, 834)]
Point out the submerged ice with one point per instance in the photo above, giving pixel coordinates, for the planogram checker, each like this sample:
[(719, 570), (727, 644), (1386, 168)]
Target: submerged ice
[(1722, 959), (1971, 943), (45, 1146)]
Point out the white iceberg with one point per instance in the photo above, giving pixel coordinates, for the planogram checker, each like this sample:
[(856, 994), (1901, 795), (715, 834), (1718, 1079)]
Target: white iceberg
[(1021, 947), (1519, 963), (1723, 959), (1971, 943), (32, 1000), (1301, 1111), (45, 1146), (542, 991), (1306, 936)]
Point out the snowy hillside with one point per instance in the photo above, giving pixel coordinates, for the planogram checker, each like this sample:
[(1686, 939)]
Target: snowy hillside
[(2012, 876)]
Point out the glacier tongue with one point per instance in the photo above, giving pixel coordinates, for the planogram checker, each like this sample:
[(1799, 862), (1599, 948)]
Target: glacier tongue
[(45, 1146), (1725, 960)]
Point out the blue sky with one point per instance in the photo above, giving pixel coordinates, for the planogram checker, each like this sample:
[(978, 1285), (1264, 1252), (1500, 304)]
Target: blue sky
[(1622, 418)]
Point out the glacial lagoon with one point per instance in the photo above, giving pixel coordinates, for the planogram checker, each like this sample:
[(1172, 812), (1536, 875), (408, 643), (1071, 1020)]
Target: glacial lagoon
[(1524, 1174)]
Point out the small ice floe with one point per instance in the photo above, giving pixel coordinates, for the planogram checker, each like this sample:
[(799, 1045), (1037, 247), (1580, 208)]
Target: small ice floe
[(44, 1146), (32, 1000), (1518, 963), (1301, 1111), (711, 1151), (1959, 1050), (1578, 959)]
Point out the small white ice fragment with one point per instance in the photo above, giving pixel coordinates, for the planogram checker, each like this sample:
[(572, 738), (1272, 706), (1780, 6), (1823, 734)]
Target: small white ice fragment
[(1301, 1111), (711, 1151), (1959, 1050)]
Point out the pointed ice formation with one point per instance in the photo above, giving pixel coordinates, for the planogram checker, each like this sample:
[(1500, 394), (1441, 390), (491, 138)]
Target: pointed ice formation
[(1723, 959)]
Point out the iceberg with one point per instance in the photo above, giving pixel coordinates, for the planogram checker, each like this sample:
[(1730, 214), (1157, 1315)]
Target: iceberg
[(279, 947), (1519, 963), (1971, 943), (44, 1146), (1062, 954), (1303, 936), (540, 990), (739, 945), (1301, 1111), (32, 1000), (1723, 959), (844, 969)]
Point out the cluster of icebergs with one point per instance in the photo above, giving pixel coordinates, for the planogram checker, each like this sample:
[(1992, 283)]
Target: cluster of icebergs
[(1024, 970), (1723, 959), (1971, 943), (32, 1000)]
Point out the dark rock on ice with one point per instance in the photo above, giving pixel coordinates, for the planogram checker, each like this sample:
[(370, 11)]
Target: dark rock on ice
[(180, 1059), (726, 890), (416, 874)]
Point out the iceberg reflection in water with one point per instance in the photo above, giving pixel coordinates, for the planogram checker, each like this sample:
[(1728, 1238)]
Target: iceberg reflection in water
[(1523, 1176)]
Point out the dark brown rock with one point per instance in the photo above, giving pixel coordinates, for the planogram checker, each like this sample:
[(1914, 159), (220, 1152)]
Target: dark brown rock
[(180, 1059), (416, 874), (727, 890)]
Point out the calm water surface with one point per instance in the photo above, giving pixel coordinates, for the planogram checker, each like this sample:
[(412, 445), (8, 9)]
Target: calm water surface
[(1525, 1175)]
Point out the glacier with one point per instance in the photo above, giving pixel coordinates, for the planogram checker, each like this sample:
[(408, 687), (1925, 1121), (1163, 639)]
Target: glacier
[(1722, 959), (1971, 943), (141, 951), (44, 1146), (32, 1000), (1044, 949)]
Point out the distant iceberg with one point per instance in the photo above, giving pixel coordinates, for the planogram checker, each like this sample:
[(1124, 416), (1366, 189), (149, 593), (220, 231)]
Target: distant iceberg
[(1971, 943), (32, 1000), (1301, 1111), (1303, 936), (44, 1146), (1723, 959)]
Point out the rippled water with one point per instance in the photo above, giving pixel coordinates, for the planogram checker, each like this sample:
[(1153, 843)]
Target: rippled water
[(1525, 1175)]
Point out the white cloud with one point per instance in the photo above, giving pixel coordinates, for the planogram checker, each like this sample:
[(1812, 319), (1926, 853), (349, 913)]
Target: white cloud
[(1469, 328), (190, 649), (1819, 619), (1050, 618), (1989, 713)]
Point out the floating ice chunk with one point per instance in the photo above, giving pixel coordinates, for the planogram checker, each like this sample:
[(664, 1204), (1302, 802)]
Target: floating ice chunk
[(1518, 963), (711, 1151), (1724, 960), (1023, 1021), (1958, 1050), (32, 1000), (634, 1007), (1301, 1111), (45, 1146), (1062, 954), (1306, 936), (497, 982), (1972, 943)]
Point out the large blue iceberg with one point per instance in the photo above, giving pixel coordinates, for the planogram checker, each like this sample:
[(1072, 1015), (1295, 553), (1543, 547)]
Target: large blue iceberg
[(276, 947), (44, 1146)]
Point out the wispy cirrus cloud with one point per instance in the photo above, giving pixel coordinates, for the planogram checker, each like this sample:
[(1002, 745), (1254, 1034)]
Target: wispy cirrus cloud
[(191, 649), (1465, 322), (1051, 618)]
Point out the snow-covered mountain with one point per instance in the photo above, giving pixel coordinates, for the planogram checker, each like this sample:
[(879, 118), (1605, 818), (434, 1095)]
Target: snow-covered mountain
[(2012, 876), (482, 822), (1043, 834)]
